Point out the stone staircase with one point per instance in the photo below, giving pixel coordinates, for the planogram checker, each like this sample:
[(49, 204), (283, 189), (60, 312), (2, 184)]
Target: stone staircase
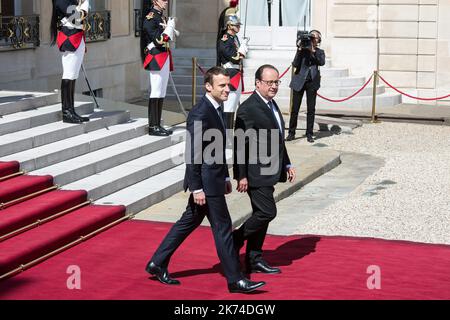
[(337, 83), (182, 74), (111, 157)]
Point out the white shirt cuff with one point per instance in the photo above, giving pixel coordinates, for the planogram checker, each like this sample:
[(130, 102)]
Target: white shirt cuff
[(197, 191)]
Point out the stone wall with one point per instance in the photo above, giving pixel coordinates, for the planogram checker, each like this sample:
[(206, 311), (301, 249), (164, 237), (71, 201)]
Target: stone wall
[(113, 65), (198, 22), (406, 40)]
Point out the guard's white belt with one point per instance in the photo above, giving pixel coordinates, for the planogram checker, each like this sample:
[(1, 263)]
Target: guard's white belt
[(230, 65)]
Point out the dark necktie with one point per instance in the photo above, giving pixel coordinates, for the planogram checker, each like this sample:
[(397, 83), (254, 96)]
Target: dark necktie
[(274, 112), (221, 114)]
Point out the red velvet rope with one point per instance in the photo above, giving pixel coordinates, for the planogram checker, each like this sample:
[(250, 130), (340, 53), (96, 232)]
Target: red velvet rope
[(348, 98), (413, 97), (201, 69), (357, 92)]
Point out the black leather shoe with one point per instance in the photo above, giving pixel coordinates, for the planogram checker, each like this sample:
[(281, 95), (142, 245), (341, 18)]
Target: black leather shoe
[(160, 273), (244, 286), (290, 137), (262, 267), (309, 138)]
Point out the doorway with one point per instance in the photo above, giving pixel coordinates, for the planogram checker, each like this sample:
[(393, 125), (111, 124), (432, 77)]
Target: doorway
[(273, 24)]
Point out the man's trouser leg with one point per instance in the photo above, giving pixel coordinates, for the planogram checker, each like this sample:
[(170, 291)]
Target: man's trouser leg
[(296, 103), (311, 95), (255, 228)]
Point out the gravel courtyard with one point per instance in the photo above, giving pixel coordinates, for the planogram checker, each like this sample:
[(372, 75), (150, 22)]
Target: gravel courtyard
[(407, 199)]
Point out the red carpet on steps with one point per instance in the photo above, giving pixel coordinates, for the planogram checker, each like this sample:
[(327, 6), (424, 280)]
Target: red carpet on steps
[(7, 168), (23, 185), (39, 241), (313, 267), (38, 208)]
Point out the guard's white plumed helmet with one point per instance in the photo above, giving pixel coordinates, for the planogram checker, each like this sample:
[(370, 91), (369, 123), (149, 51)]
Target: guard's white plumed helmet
[(232, 20)]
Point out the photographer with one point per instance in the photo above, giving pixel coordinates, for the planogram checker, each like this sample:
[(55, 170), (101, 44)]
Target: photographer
[(306, 78)]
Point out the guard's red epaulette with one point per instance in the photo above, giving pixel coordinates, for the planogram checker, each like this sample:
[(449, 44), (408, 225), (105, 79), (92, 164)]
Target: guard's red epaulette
[(150, 16), (225, 37)]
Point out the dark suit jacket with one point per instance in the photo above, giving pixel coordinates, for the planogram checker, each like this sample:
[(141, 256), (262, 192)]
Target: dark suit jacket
[(305, 60), (201, 174), (255, 114)]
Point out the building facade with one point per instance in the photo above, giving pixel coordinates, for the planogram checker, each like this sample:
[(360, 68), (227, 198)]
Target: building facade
[(112, 61), (408, 41)]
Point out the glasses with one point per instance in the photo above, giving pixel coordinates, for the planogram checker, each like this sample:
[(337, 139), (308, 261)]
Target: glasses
[(272, 82)]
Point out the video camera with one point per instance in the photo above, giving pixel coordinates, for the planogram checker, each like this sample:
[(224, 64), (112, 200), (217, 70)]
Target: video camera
[(304, 39)]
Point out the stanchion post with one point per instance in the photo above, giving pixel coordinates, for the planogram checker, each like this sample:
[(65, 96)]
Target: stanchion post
[(291, 98), (194, 80), (374, 96)]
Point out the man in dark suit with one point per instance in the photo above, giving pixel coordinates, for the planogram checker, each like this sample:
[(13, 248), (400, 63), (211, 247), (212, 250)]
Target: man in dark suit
[(260, 124), (306, 78), (208, 180)]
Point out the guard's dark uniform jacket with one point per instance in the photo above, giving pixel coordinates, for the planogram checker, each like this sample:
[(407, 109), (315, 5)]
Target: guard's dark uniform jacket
[(68, 39), (156, 57), (229, 58)]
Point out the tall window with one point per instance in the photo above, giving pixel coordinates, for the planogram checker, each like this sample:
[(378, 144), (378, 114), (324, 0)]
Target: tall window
[(295, 13), (291, 13), (98, 5), (258, 12), (19, 26), (16, 7)]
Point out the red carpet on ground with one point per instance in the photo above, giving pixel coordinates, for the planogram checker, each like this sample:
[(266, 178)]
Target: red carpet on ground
[(8, 168), (21, 186), (313, 267), (38, 208), (42, 240)]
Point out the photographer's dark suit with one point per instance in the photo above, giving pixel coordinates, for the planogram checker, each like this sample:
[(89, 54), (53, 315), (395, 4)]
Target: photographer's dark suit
[(306, 78)]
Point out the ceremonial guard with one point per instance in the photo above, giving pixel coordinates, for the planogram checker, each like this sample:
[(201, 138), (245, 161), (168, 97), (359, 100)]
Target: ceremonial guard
[(67, 31), (157, 58), (230, 53)]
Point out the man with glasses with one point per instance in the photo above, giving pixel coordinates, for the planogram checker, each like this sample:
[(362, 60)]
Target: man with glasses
[(258, 172), (306, 78)]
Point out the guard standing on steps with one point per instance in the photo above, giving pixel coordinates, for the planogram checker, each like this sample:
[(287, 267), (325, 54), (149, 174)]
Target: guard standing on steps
[(67, 31), (157, 58), (230, 53)]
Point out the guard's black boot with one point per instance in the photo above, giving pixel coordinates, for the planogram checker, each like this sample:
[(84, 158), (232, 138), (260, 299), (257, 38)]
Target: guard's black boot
[(160, 107), (67, 115), (153, 119), (72, 102)]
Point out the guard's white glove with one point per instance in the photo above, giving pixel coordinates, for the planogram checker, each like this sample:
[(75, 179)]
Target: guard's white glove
[(172, 22), (170, 30), (245, 41), (243, 49)]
